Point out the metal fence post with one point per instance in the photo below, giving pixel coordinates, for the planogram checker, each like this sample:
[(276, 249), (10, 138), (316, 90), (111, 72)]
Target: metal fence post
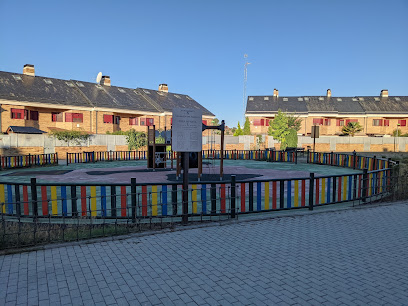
[(67, 158), (34, 202), (311, 189), (133, 198), (365, 184), (354, 159), (233, 196)]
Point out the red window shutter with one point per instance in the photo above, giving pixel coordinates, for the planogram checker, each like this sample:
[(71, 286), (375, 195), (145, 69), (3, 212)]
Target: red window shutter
[(149, 121), (78, 117), (262, 122), (402, 122), (132, 121), (107, 118), (204, 121), (386, 122), (68, 117), (317, 121), (381, 122), (54, 117), (347, 121), (338, 122), (267, 122), (257, 122)]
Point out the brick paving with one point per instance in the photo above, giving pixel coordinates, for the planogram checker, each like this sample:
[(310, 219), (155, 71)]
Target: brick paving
[(349, 257)]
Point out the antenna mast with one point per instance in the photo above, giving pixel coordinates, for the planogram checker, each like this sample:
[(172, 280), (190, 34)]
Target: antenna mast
[(245, 84)]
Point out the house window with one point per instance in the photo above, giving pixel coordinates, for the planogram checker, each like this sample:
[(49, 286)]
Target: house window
[(143, 121), (56, 117), (108, 119), (377, 122), (73, 117), (18, 113), (402, 122), (340, 122), (386, 122), (257, 122), (34, 115), (149, 121), (133, 121), (117, 119), (77, 117), (317, 121), (327, 121)]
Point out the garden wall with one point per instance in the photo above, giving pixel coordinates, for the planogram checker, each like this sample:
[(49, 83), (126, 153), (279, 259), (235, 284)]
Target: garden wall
[(19, 144)]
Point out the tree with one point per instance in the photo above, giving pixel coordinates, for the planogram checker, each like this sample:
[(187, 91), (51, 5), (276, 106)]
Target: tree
[(292, 138), (284, 129), (352, 128), (135, 140), (294, 122), (278, 128), (215, 121), (247, 127), (238, 131)]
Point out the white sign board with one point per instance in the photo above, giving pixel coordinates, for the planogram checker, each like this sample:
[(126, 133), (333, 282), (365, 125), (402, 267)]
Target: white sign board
[(187, 130)]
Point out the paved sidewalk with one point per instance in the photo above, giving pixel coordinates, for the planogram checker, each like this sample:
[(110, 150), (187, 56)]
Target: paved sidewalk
[(350, 257)]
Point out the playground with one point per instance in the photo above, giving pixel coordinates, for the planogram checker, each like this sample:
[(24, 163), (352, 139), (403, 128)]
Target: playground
[(121, 172)]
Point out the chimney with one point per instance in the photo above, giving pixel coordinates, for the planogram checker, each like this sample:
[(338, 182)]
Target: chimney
[(163, 88), (329, 93), (276, 93), (106, 80), (384, 93), (29, 70)]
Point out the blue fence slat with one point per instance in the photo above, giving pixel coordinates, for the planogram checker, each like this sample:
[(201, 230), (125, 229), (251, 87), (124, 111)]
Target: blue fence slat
[(289, 194), (103, 200), (258, 196), (10, 199), (204, 198), (64, 200), (164, 200)]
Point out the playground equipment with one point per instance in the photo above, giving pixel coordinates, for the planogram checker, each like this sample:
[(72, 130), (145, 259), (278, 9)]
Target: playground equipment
[(156, 152), (197, 160)]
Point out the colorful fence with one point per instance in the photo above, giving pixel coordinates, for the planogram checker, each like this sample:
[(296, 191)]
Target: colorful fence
[(91, 157), (22, 161), (260, 155), (349, 160), (133, 201)]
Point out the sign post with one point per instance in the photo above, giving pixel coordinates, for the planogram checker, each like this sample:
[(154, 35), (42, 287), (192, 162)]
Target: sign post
[(315, 134), (186, 138)]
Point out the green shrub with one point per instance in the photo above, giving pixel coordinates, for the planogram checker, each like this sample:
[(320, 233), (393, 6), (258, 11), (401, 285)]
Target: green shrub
[(77, 137), (292, 138)]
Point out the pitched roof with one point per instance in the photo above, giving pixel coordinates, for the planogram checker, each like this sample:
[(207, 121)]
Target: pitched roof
[(335, 105), (167, 101), (20, 87), (25, 130)]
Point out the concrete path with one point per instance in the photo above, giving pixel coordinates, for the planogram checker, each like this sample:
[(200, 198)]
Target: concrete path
[(349, 257)]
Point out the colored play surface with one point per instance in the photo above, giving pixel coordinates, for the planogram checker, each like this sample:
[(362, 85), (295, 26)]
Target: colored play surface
[(120, 172)]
